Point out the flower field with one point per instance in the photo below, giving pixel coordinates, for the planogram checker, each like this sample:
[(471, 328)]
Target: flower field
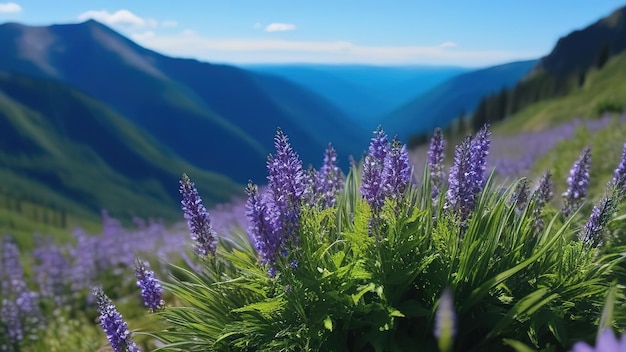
[(382, 258)]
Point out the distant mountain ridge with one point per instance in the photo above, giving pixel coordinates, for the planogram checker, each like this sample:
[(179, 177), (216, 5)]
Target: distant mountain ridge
[(63, 149), (192, 107), (363, 92), (452, 98), (581, 49), (91, 120)]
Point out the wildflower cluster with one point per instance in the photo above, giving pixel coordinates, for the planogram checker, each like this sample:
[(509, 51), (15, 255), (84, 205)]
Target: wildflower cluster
[(511, 276)]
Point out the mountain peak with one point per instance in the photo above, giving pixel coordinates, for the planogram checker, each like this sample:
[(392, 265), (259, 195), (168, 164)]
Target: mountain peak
[(580, 50)]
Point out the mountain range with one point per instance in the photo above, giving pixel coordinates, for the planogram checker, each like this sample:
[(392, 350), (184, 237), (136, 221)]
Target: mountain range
[(91, 120)]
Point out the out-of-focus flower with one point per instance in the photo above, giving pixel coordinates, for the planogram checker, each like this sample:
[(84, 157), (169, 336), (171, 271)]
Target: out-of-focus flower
[(605, 342), (578, 182), (619, 175), (198, 220), (267, 239), (113, 324), (541, 195), (435, 162), (445, 320), (600, 216), (151, 290), (329, 180)]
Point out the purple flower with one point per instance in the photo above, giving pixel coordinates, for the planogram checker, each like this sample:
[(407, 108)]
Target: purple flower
[(435, 162), (519, 198), (287, 183), (466, 177), (396, 171), (600, 216), (605, 342), (619, 175), (151, 291), (113, 324), (479, 149), (262, 230), (198, 220), (372, 188), (541, 195), (578, 182), (445, 320), (329, 180)]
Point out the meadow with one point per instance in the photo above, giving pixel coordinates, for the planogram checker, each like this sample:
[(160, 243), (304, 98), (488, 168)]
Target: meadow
[(474, 244)]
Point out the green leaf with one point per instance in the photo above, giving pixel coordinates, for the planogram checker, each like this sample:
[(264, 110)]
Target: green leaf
[(518, 346), (328, 324)]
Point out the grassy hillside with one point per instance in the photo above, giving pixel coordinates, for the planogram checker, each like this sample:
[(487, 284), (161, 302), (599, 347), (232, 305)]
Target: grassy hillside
[(604, 90), (63, 150)]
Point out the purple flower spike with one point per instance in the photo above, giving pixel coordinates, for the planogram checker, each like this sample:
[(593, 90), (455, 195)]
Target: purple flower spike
[(519, 198), (605, 342), (435, 162), (540, 196), (396, 171), (619, 175), (198, 220), (329, 180), (372, 179), (600, 216), (113, 324), (262, 230), (287, 183), (151, 291), (578, 182), (479, 149), (467, 173)]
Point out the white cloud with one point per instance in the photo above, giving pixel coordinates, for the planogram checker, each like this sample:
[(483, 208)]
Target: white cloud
[(138, 37), (280, 27), (237, 50), (169, 23), (448, 45), (10, 7), (119, 17), (257, 25)]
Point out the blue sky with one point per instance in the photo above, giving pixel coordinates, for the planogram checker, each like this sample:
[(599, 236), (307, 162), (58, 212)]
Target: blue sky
[(408, 32)]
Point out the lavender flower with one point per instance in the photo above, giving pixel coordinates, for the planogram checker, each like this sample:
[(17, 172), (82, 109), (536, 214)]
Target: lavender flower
[(151, 291), (329, 180), (435, 162), (52, 269), (519, 198), (396, 171), (113, 324), (287, 185), (578, 182), (605, 342), (600, 216), (372, 188), (540, 196), (619, 175), (262, 230), (198, 220), (466, 177), (445, 321), (479, 149)]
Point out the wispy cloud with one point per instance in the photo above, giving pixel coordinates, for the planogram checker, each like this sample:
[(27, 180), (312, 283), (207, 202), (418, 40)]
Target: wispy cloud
[(237, 50), (280, 27), (120, 17), (169, 23), (448, 45), (10, 7)]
